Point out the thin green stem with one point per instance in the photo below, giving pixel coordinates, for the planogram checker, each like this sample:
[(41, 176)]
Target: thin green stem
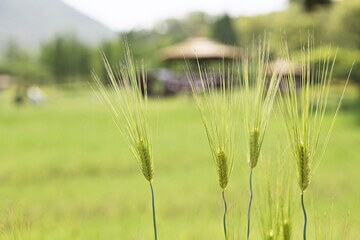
[(153, 210), (305, 216), (225, 212), (249, 207)]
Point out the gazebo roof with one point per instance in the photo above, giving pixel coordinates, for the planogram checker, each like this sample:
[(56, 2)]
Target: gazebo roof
[(284, 67), (199, 48)]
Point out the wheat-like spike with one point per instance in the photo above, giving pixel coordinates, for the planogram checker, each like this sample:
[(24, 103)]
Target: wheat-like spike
[(222, 166), (259, 92), (304, 111), (216, 106), (128, 106), (254, 148), (303, 163), (274, 193), (286, 230), (270, 235), (143, 154)]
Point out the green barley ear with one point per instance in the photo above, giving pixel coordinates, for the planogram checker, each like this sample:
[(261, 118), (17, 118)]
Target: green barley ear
[(215, 100), (216, 105), (303, 104), (126, 98), (254, 148), (285, 192), (274, 191), (270, 235), (260, 84), (303, 166), (143, 153), (285, 229), (222, 166)]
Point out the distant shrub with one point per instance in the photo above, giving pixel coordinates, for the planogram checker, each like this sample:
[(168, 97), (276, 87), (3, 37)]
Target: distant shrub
[(344, 60), (66, 57)]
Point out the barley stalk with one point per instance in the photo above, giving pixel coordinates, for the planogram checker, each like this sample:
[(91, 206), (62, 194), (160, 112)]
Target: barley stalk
[(303, 166), (305, 215), (216, 107), (222, 167), (143, 153), (128, 106), (254, 148), (258, 98), (153, 210), (249, 205), (275, 193), (304, 109), (225, 213), (270, 235), (286, 230)]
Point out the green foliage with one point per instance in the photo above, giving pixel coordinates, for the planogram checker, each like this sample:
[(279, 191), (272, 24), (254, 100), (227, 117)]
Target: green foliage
[(282, 22), (66, 57), (113, 50), (24, 68), (223, 31), (14, 53), (343, 25), (337, 25), (310, 5), (194, 24), (19, 63), (345, 58)]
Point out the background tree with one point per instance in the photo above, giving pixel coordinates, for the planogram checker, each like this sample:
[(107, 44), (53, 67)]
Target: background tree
[(26, 70), (223, 30), (66, 57), (310, 5)]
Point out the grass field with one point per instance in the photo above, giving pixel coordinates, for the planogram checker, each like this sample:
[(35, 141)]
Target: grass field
[(66, 173)]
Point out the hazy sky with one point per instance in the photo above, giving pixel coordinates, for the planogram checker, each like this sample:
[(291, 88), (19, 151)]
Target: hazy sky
[(127, 14)]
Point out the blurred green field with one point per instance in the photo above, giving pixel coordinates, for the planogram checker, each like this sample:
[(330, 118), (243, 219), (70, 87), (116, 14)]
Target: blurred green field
[(66, 173)]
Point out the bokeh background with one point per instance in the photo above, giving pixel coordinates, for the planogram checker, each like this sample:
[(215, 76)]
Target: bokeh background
[(66, 173)]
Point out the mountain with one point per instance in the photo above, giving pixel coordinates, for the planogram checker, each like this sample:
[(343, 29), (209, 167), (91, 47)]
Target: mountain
[(31, 22)]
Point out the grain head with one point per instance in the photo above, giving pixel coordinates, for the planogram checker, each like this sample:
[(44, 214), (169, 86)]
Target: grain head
[(216, 106), (260, 84), (303, 104), (126, 98)]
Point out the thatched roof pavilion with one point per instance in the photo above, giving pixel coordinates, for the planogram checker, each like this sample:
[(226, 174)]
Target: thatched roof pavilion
[(5, 81), (199, 48), (284, 67), (196, 50)]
